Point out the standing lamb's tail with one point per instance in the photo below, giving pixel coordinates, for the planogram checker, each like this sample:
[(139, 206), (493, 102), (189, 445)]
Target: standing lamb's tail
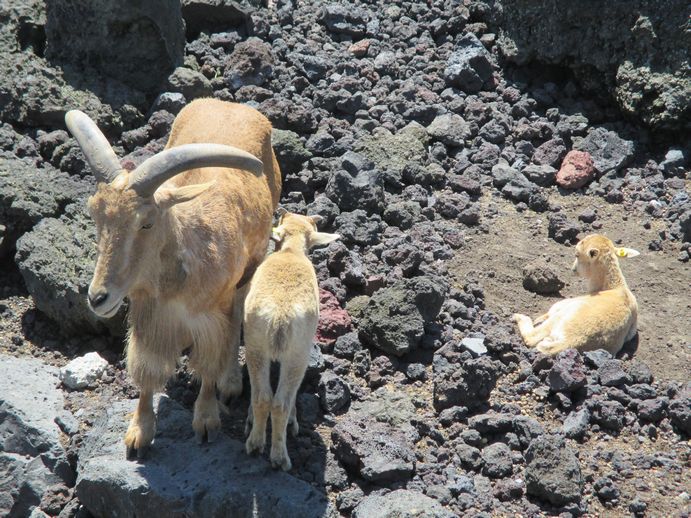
[(279, 338)]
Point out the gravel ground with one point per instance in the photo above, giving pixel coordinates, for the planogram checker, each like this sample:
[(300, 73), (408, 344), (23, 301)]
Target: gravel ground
[(442, 165)]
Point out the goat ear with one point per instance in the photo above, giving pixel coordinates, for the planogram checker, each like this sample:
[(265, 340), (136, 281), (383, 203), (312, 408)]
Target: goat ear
[(321, 238), (626, 252), (168, 196)]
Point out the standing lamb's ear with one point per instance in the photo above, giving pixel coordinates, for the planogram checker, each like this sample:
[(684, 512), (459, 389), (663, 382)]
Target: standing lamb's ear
[(316, 219), (626, 252), (321, 238), (277, 234)]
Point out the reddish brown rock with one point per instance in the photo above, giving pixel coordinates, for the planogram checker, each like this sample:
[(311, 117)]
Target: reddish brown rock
[(577, 169), (359, 48), (334, 321)]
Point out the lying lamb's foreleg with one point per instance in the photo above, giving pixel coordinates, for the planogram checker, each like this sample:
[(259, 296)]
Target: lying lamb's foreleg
[(531, 335)]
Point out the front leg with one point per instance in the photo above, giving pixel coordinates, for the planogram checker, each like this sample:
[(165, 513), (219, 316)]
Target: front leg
[(142, 427), (149, 368), (532, 335)]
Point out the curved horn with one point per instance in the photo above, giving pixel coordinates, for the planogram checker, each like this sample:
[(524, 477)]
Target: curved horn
[(101, 157), (166, 164)]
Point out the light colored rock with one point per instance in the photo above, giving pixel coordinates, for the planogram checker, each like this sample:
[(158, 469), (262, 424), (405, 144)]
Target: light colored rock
[(474, 345), (84, 371), (31, 455)]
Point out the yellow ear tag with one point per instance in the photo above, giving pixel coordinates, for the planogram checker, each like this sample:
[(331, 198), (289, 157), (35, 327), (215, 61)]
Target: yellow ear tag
[(274, 229), (621, 252)]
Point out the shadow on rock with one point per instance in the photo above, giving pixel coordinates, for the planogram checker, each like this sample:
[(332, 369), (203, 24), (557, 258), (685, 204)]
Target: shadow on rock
[(182, 478), (628, 350)]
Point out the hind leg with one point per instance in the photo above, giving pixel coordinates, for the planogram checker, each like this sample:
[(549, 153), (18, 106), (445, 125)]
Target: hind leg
[(230, 383), (532, 335), (259, 368), (208, 359), (539, 320), (551, 347), (293, 422), (283, 408)]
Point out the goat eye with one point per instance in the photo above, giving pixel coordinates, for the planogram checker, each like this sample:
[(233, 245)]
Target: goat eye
[(147, 226)]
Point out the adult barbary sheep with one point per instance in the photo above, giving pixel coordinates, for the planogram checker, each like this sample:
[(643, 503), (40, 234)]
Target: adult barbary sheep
[(281, 314), (178, 236), (603, 319)]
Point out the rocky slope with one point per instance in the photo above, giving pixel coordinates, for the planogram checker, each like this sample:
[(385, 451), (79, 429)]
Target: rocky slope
[(410, 131)]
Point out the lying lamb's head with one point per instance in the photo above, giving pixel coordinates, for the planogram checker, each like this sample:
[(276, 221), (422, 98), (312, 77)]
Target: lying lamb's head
[(595, 253), (130, 209)]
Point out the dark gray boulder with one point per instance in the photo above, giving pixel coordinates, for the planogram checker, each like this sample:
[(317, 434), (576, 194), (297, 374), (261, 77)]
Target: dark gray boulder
[(32, 457), (56, 260), (550, 153), (251, 63), (451, 129), (609, 414), (539, 277), (33, 93), (102, 34), (290, 151), (542, 175), (345, 19), (334, 392), (562, 229), (395, 317), (394, 151), (608, 150), (497, 457), (610, 46), (459, 381), (568, 372), (402, 503), (576, 424), (29, 193), (376, 438), (189, 83), (364, 190), (212, 16), (552, 471), (612, 374), (469, 66), (182, 478), (680, 411)]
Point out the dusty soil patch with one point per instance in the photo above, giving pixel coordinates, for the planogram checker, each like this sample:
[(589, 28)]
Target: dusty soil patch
[(660, 282)]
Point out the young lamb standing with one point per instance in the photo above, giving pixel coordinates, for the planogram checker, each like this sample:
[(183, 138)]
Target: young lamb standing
[(178, 236), (603, 319), (281, 314)]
